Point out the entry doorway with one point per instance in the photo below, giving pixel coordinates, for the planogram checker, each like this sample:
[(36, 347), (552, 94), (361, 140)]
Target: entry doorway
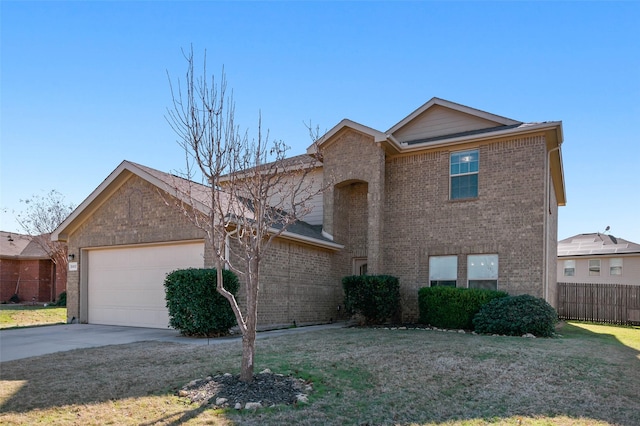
[(360, 266)]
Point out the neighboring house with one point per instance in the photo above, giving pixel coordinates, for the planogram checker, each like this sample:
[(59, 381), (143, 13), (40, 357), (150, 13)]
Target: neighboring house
[(598, 259), (450, 195), (26, 269)]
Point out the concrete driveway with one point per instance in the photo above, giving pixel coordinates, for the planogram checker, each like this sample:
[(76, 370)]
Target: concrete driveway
[(27, 342)]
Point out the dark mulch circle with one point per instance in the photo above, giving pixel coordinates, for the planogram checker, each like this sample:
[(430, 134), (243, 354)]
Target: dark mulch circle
[(267, 388)]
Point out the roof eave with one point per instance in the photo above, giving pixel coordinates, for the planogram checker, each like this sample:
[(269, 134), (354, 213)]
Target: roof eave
[(330, 245)]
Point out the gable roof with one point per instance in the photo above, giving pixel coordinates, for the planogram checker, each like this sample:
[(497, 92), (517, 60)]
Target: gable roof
[(481, 119), (441, 123), (192, 193), (595, 244), (19, 246)]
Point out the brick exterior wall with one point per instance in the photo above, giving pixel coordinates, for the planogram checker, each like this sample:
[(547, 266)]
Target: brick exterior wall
[(134, 214), (296, 285), (506, 218), (354, 157), (392, 210), (418, 219)]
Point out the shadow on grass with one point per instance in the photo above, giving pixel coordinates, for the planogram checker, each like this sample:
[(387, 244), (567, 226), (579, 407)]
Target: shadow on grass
[(411, 376)]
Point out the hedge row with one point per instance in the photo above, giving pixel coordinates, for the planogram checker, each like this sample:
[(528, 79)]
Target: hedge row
[(451, 307)]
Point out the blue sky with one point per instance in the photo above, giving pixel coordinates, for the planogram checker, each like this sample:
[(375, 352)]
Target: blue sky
[(84, 84)]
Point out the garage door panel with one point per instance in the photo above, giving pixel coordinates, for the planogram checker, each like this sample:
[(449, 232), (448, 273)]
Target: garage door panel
[(126, 285)]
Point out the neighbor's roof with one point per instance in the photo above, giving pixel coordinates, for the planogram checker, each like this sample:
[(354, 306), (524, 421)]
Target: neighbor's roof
[(595, 244), (18, 246)]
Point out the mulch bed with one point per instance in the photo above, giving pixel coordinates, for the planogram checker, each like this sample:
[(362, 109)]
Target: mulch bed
[(267, 389)]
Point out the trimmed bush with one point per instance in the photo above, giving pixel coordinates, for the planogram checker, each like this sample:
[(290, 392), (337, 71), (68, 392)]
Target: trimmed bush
[(62, 300), (451, 307), (517, 315), (375, 297), (195, 306)]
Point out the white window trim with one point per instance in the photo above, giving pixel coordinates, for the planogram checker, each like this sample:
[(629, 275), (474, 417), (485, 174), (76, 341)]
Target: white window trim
[(453, 277), (611, 266), (492, 277), (451, 176)]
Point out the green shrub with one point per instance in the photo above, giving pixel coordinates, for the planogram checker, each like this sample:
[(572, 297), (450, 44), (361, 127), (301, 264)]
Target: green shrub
[(451, 307), (195, 306), (62, 300), (375, 297), (515, 316)]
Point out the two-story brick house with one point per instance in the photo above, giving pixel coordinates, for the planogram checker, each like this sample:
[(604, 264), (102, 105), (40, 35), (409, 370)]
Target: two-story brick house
[(450, 195)]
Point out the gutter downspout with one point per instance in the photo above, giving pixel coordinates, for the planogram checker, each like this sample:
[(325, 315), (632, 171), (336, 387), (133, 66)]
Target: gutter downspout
[(547, 212)]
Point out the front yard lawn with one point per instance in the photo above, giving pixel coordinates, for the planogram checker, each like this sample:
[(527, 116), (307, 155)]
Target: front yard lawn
[(361, 376), (31, 315)]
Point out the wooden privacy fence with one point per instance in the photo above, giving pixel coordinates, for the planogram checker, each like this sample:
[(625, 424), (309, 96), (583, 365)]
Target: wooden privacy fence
[(608, 303)]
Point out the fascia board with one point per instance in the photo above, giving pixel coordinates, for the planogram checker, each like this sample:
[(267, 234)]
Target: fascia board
[(308, 240), (481, 137)]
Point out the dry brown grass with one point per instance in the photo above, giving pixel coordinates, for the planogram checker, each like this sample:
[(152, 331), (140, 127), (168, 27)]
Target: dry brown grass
[(361, 376)]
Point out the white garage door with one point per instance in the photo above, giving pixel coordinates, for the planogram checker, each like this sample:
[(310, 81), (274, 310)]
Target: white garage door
[(126, 285)]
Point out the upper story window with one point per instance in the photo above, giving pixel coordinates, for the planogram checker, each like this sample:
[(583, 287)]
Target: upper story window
[(443, 271), (594, 267), (482, 271), (463, 171), (615, 266), (569, 268)]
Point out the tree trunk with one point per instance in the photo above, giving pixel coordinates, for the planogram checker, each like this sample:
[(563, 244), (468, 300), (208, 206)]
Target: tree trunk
[(248, 352), (249, 336)]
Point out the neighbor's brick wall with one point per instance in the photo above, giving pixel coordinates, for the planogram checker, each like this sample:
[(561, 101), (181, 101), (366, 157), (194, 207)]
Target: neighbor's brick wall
[(136, 213), (34, 277), (506, 218)]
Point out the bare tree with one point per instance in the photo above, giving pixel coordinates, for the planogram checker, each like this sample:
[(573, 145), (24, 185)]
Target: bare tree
[(253, 192), (41, 216)]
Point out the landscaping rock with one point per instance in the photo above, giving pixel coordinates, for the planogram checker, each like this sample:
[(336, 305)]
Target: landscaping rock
[(252, 406)]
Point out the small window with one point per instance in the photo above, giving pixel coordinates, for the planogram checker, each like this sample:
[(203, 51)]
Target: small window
[(443, 271), (482, 271), (464, 174), (615, 266), (569, 268), (594, 267)]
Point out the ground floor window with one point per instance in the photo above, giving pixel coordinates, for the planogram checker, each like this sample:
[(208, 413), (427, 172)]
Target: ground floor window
[(615, 266), (443, 271), (482, 271)]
